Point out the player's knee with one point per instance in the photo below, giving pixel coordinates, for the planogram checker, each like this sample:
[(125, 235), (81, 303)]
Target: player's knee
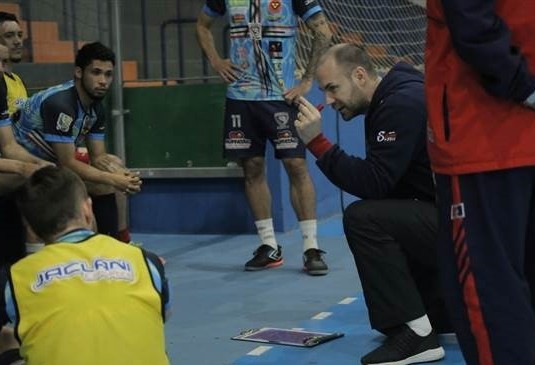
[(296, 168), (357, 215), (116, 160), (253, 168), (108, 163)]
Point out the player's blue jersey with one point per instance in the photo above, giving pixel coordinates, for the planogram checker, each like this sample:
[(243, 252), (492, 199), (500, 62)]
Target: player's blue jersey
[(56, 115), (262, 43)]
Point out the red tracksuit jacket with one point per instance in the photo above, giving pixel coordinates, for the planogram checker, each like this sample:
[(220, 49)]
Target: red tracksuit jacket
[(480, 67)]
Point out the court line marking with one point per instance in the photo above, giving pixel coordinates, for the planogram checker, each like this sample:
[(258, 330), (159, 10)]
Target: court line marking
[(322, 315), (259, 350), (347, 300)]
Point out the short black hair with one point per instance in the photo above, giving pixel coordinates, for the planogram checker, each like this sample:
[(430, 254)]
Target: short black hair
[(7, 17), (50, 199), (93, 51)]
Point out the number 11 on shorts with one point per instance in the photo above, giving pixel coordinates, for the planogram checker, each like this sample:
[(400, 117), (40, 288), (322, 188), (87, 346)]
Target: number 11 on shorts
[(236, 120)]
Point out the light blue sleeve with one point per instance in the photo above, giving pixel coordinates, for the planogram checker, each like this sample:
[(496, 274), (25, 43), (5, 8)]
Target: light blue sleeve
[(162, 286), (10, 305)]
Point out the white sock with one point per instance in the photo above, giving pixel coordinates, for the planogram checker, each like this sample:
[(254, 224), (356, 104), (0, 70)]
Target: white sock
[(309, 230), (266, 232), (421, 326), (33, 247)]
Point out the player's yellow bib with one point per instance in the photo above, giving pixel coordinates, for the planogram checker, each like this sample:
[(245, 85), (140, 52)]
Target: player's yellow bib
[(16, 92), (88, 303)]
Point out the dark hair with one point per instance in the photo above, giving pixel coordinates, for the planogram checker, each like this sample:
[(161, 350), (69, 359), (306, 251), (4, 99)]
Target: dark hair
[(351, 55), (50, 199), (7, 17), (93, 51)]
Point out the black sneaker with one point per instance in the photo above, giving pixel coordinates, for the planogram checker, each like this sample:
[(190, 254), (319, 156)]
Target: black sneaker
[(405, 347), (313, 262), (265, 257)]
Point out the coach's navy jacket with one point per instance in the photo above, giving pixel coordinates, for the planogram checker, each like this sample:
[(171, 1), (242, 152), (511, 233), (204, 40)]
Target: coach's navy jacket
[(396, 164)]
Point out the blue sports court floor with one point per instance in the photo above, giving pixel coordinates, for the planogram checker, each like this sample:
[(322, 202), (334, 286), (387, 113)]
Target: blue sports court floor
[(214, 299)]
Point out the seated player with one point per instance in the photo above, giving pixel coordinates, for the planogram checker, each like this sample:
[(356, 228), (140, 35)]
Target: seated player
[(53, 122), (114, 297)]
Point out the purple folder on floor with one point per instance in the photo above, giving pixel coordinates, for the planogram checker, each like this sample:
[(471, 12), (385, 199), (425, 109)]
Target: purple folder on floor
[(288, 337)]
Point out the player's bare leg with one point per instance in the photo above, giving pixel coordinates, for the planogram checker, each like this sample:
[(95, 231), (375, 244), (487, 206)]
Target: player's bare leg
[(303, 198), (259, 197)]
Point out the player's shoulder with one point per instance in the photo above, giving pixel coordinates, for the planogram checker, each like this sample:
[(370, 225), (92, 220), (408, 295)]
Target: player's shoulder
[(62, 97), (15, 77), (306, 9)]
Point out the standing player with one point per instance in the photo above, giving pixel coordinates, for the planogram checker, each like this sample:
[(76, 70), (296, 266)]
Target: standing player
[(262, 90), (480, 86)]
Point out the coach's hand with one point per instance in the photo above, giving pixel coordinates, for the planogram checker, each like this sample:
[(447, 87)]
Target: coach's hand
[(226, 69), (308, 122)]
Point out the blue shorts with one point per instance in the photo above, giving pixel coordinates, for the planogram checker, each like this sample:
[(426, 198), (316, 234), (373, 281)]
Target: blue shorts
[(249, 124)]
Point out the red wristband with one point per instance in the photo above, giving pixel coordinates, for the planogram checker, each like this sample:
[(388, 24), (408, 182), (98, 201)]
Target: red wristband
[(319, 145)]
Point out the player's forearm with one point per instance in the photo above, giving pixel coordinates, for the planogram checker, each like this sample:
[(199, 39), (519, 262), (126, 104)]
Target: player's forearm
[(206, 41), (12, 166), (90, 173), (321, 41), (15, 151)]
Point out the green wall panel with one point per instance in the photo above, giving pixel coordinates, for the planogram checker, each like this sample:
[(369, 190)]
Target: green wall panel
[(175, 126)]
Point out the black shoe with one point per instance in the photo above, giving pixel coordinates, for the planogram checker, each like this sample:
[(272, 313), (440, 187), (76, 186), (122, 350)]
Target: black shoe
[(265, 257), (404, 348), (313, 262)]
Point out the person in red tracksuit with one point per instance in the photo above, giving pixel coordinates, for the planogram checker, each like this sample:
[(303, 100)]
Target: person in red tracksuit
[(480, 88)]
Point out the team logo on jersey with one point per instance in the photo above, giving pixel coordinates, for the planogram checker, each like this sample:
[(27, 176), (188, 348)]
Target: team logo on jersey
[(242, 53), (274, 11), (282, 119), (88, 124), (100, 269), (64, 122), (234, 3), (238, 18), (19, 102), (275, 50), (255, 31), (277, 66), (384, 136), (275, 6)]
